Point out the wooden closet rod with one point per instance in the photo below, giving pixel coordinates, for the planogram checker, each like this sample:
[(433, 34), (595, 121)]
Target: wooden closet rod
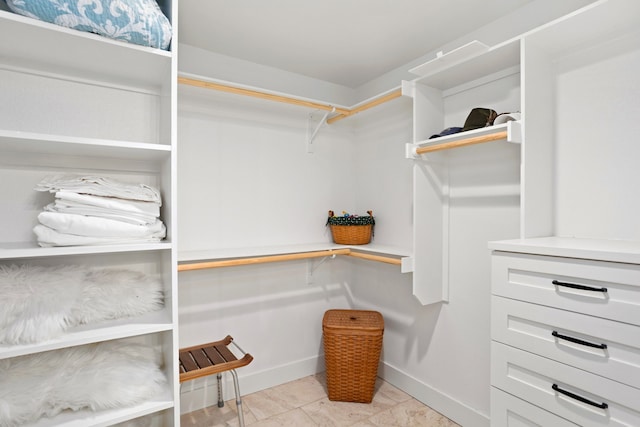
[(341, 112), (462, 142), (373, 103), (257, 94), (285, 257), (371, 257)]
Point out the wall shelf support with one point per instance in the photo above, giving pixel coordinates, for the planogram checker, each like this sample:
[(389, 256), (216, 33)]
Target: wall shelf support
[(311, 134), (312, 268)]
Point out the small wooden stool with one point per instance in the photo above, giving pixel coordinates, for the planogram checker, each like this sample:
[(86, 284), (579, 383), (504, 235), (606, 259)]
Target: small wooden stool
[(214, 358)]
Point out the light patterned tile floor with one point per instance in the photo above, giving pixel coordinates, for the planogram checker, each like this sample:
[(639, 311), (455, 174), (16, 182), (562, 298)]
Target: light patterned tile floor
[(304, 402)]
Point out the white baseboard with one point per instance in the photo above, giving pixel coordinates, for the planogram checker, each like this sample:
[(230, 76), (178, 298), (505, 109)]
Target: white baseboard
[(203, 392), (435, 399)]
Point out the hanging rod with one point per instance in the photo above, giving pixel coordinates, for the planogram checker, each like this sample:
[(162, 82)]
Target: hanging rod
[(373, 103), (257, 94), (285, 257), (463, 142), (379, 258), (341, 112)]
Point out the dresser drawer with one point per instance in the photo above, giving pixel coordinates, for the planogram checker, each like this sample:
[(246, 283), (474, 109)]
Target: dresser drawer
[(509, 411), (604, 347), (581, 397), (604, 289)]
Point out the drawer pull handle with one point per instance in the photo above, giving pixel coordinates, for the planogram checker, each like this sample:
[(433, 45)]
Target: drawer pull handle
[(602, 405), (578, 341), (576, 286)]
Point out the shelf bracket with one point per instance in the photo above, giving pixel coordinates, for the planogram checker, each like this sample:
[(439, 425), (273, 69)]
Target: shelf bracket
[(311, 268), (311, 133)]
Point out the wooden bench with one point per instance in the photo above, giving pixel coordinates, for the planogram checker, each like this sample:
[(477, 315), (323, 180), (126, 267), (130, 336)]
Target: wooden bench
[(214, 358)]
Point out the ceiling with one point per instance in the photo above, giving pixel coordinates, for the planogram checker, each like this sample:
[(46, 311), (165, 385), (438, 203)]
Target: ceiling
[(347, 42)]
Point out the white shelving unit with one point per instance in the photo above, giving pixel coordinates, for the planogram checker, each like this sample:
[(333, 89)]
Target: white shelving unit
[(572, 231), (472, 65), (564, 328), (75, 102)]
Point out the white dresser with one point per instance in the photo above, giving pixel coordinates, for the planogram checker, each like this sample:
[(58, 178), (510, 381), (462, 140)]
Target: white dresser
[(565, 328)]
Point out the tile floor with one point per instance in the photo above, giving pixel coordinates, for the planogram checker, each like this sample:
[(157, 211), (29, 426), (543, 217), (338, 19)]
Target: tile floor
[(304, 402)]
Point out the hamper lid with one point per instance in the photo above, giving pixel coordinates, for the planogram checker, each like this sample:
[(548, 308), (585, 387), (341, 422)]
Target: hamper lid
[(360, 320)]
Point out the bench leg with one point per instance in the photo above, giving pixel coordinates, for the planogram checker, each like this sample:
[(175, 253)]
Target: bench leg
[(236, 385), (220, 397)]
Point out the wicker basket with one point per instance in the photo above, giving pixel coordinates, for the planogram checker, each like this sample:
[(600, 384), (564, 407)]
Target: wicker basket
[(351, 230), (352, 345)]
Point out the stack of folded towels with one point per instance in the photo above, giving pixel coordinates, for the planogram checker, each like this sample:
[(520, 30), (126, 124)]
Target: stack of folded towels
[(93, 210)]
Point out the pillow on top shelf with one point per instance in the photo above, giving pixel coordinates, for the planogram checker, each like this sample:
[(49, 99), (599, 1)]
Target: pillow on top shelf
[(135, 21)]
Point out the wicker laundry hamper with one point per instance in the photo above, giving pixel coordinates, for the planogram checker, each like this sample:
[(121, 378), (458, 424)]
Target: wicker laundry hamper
[(352, 345), (351, 230)]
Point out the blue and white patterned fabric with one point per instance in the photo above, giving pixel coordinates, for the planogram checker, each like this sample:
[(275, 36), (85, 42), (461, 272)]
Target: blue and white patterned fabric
[(134, 21)]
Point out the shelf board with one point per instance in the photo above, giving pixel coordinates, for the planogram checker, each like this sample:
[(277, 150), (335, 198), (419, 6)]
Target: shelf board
[(443, 61), (38, 143), (18, 250), (512, 130), (80, 55), (88, 418), (470, 62), (157, 321)]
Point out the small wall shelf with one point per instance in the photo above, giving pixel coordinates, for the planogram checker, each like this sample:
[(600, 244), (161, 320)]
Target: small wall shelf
[(510, 131), (467, 63)]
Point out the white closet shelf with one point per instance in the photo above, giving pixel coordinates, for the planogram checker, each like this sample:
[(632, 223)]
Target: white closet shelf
[(468, 63), (157, 321), (373, 252), (88, 418), (19, 250), (31, 142), (510, 131), (79, 54)]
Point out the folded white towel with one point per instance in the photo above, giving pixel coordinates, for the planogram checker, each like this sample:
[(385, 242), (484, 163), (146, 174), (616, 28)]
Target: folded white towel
[(136, 206), (99, 186), (48, 238), (82, 225), (128, 217)]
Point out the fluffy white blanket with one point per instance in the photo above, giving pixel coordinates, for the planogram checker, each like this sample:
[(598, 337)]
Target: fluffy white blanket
[(96, 376), (39, 303)]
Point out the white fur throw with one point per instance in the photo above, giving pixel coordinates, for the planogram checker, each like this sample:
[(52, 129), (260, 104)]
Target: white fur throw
[(96, 376), (39, 303)]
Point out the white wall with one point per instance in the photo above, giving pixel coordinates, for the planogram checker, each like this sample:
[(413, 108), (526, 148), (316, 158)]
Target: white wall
[(201, 62), (246, 179), (597, 145)]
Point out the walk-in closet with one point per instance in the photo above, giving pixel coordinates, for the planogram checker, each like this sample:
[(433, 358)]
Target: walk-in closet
[(162, 190)]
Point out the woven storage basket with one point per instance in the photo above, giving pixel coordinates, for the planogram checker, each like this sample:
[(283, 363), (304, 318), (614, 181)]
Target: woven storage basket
[(351, 230), (352, 345)]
